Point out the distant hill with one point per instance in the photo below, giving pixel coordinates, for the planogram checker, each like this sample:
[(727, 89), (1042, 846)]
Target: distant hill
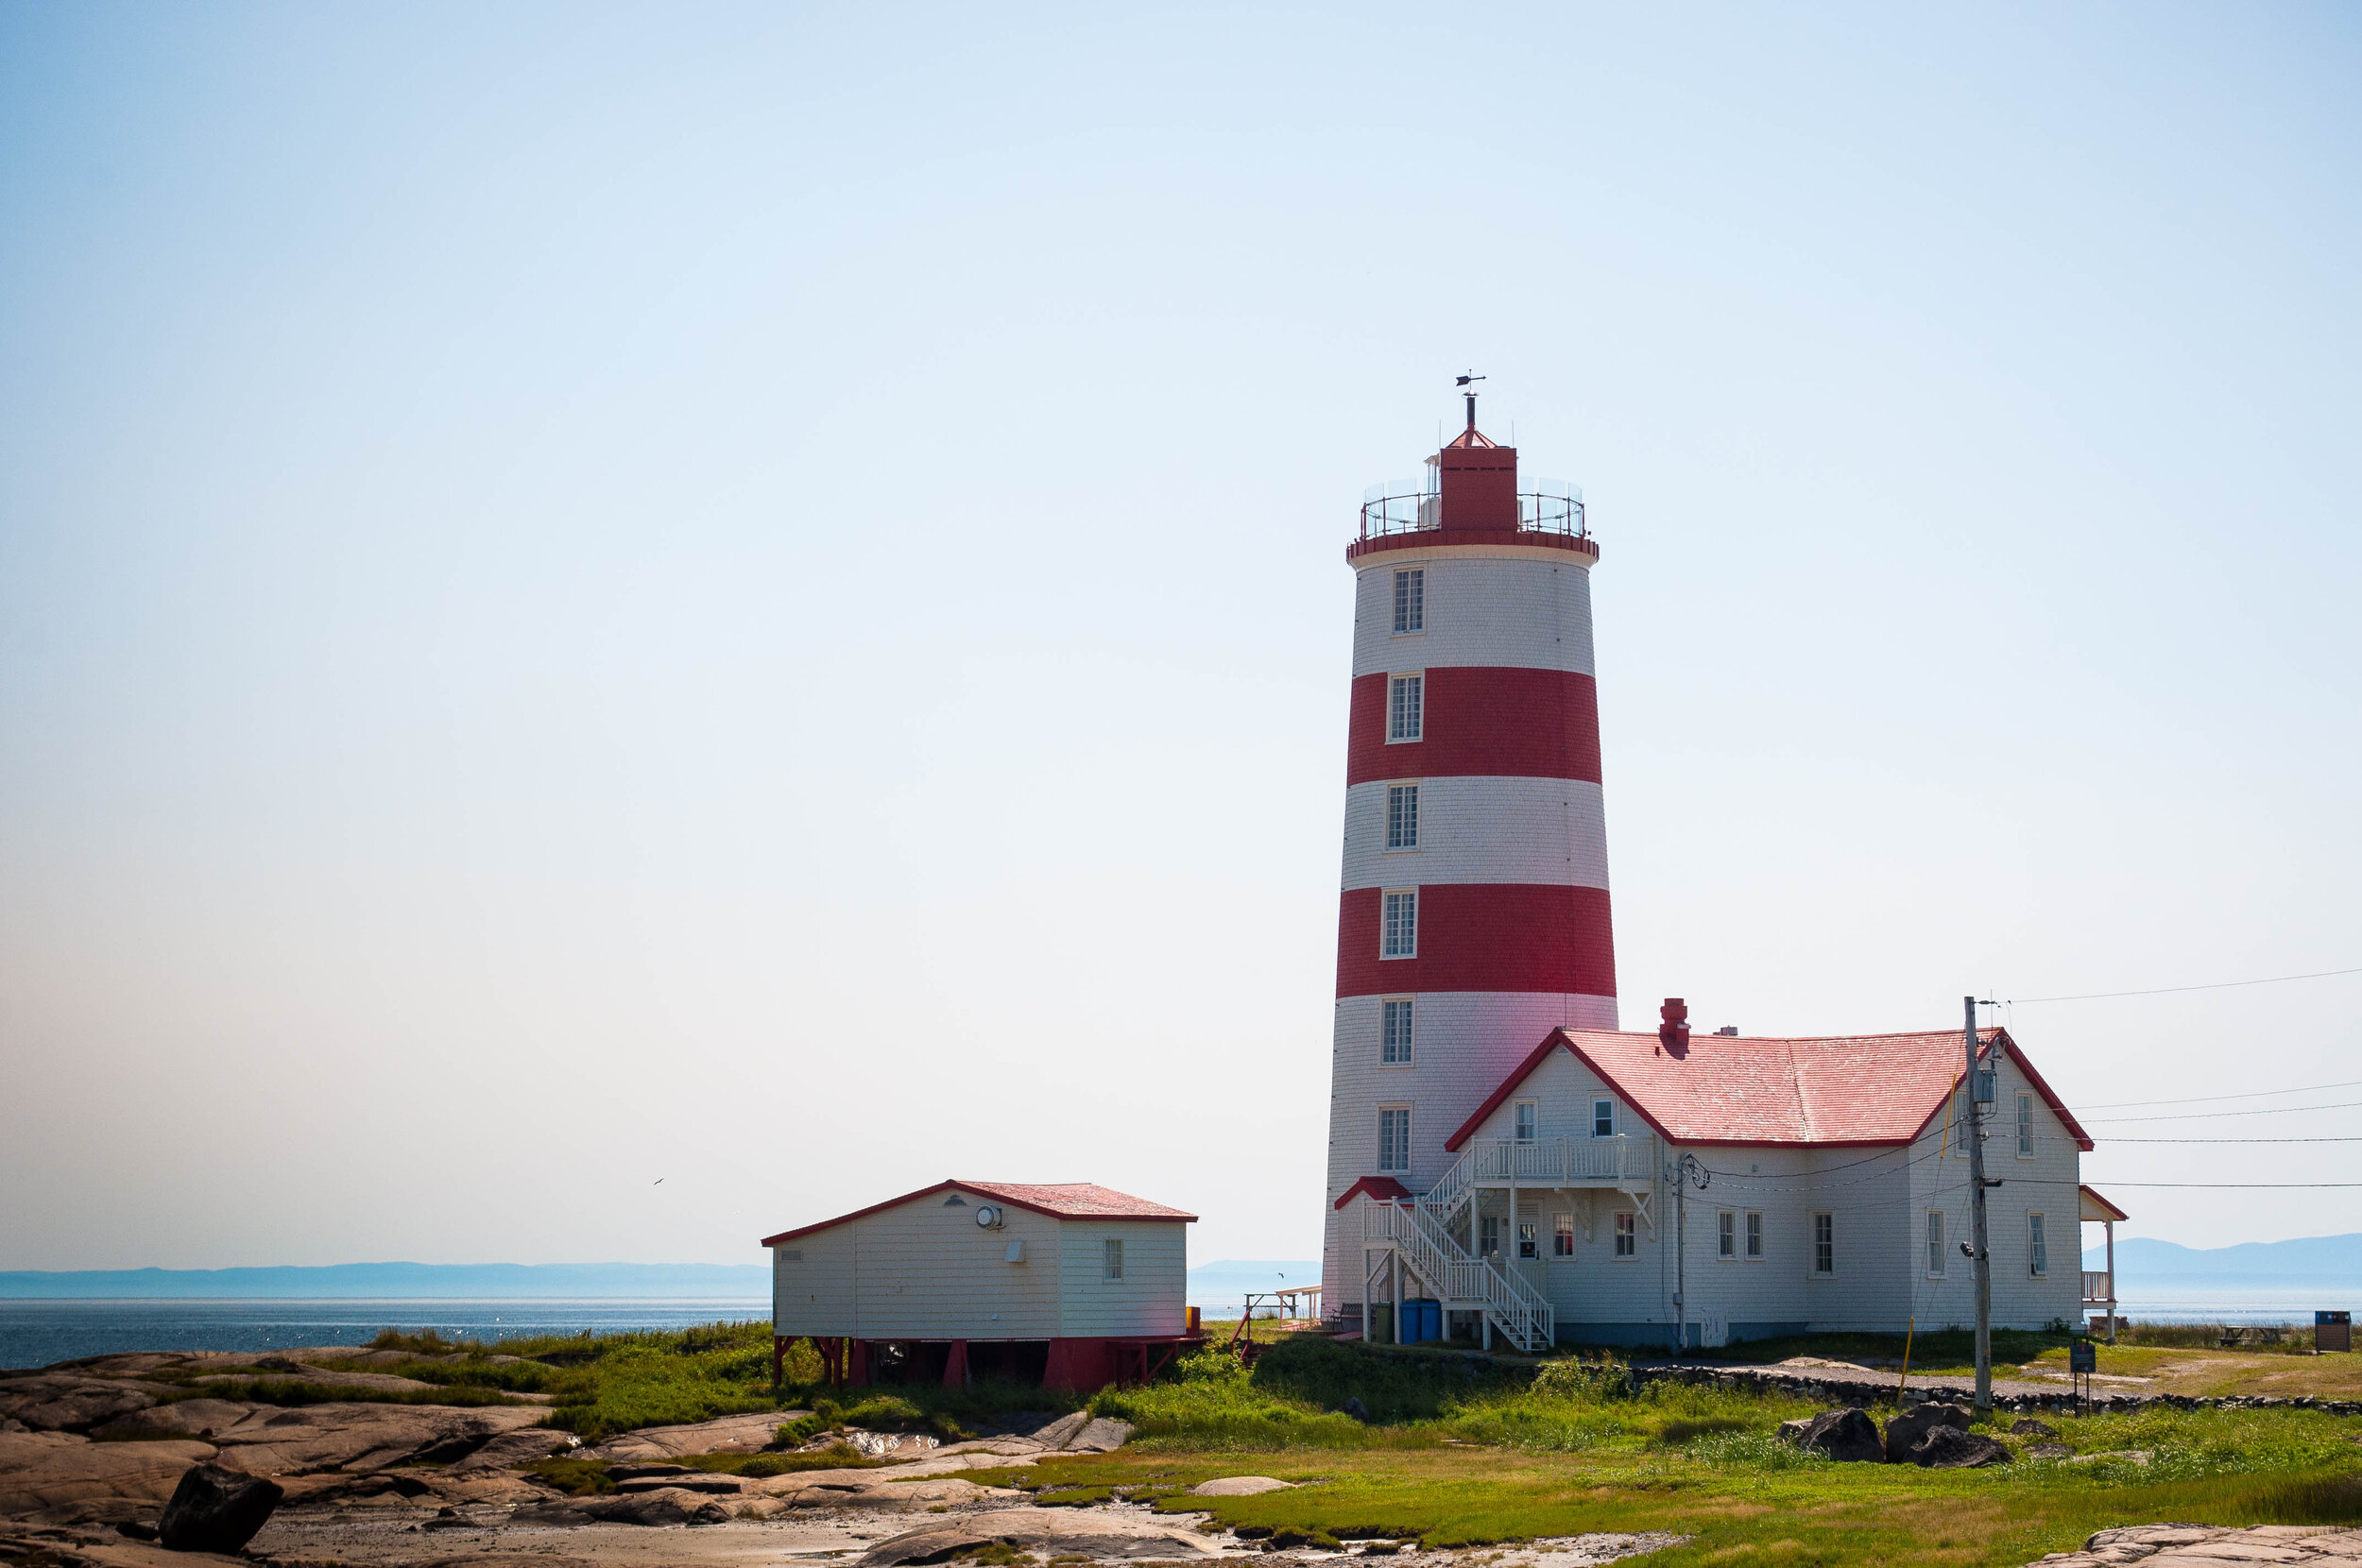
[(2325, 1259), (404, 1282)]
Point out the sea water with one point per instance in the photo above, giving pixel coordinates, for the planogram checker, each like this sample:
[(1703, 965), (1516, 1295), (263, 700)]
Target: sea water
[(37, 1333)]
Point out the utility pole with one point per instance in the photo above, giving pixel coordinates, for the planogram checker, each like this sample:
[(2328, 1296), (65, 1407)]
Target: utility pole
[(1981, 1258)]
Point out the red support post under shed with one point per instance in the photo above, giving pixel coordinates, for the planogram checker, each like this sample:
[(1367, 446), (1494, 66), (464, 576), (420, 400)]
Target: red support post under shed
[(955, 1366)]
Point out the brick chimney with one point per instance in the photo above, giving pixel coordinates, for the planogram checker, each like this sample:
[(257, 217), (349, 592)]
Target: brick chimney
[(1674, 1031)]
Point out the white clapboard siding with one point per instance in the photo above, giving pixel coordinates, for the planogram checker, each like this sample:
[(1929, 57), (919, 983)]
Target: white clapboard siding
[(1149, 1299), (811, 1283), (928, 1271)]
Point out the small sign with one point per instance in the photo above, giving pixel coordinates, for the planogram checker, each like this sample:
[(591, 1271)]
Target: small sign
[(2333, 1331), (2082, 1356)]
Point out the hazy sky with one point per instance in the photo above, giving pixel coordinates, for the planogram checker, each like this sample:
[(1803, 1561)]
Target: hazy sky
[(754, 596)]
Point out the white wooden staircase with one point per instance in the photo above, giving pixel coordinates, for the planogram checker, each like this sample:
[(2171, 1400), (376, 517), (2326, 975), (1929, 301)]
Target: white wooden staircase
[(1419, 1230)]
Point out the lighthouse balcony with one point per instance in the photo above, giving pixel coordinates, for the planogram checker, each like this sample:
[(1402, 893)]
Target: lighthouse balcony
[(1407, 516), (1406, 506)]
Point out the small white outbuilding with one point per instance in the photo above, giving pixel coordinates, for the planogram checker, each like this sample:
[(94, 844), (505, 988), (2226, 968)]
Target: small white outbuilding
[(1069, 1284)]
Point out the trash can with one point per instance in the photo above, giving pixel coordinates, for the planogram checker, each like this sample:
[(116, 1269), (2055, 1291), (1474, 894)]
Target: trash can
[(1382, 1322)]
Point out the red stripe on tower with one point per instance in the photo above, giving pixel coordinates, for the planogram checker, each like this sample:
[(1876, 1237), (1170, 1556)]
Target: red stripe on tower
[(1492, 721), (1481, 937)]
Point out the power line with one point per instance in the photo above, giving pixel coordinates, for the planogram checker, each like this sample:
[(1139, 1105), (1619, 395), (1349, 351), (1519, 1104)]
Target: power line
[(2200, 1115), (2170, 990), (2339, 1139), (2251, 1094)]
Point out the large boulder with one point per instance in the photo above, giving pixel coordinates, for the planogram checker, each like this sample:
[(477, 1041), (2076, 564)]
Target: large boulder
[(671, 1505), (1849, 1435), (1949, 1448), (214, 1510), (1907, 1429), (1238, 1486), (2027, 1427)]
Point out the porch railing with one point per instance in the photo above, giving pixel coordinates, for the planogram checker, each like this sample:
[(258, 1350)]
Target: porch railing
[(1624, 1159), (2100, 1286)]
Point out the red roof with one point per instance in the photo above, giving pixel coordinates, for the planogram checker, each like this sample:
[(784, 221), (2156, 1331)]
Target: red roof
[(1827, 1091), (1384, 1188), (1059, 1200)]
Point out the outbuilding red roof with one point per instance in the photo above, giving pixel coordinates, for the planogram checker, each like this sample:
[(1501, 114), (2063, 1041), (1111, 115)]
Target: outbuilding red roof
[(1060, 1200), (1838, 1091)]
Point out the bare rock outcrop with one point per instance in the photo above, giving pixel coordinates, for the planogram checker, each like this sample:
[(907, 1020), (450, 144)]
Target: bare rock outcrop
[(363, 1437), (44, 1470), (1056, 1531), (68, 1401)]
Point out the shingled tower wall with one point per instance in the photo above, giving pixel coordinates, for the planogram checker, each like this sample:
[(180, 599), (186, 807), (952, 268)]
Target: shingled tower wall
[(1480, 906)]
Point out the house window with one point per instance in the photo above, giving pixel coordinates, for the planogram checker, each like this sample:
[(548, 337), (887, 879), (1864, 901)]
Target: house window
[(1399, 937), (1725, 1234), (1394, 1139), (1402, 816), (1755, 1234), (1935, 1244), (1411, 601), (2037, 1247), (1524, 1122), (1562, 1236), (2026, 1127), (1393, 1048), (1528, 1245), (1627, 1239), (1489, 1235), (1406, 700), (1602, 1119), (1825, 1244), (1111, 1260)]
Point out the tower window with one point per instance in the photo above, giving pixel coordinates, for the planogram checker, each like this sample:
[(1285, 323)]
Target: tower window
[(1394, 1049), (1394, 1140), (1402, 816), (1411, 601), (1405, 704), (1400, 936)]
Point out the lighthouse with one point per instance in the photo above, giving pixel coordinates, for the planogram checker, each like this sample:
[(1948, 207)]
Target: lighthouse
[(1472, 911)]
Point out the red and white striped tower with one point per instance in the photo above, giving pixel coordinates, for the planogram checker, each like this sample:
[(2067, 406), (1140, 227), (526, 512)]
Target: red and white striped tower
[(1474, 909)]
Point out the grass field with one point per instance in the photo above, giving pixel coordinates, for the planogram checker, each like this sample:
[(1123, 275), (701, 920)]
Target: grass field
[(1460, 1451)]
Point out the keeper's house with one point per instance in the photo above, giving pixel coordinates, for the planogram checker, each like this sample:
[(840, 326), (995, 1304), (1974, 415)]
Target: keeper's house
[(1623, 1188), (1068, 1284)]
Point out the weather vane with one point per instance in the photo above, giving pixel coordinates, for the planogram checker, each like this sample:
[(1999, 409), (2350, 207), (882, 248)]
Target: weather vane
[(1467, 386)]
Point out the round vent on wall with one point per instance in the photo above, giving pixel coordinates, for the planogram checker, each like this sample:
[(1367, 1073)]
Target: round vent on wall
[(988, 1216)]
